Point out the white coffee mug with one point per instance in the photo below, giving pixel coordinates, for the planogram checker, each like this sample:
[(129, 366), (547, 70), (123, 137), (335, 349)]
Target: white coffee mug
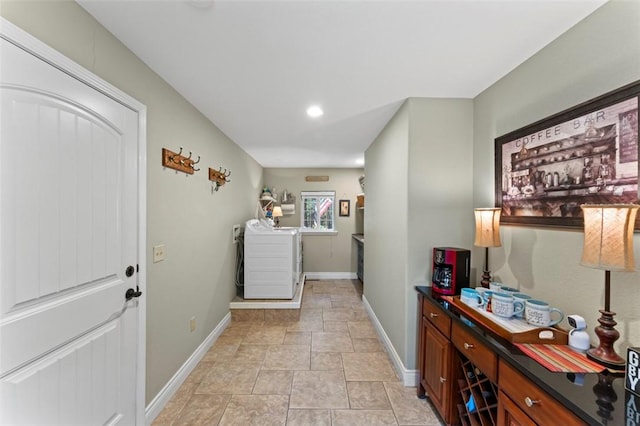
[(538, 313), (495, 286), (471, 297), (504, 305), (521, 297)]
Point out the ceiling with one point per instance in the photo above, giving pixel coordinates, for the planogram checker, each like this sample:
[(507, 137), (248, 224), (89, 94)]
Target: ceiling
[(254, 67)]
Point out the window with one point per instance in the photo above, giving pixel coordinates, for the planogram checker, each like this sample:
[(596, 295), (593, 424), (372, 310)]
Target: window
[(317, 212)]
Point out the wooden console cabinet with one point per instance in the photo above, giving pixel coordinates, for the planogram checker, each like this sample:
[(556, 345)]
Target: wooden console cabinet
[(521, 402), (455, 365), (435, 358)]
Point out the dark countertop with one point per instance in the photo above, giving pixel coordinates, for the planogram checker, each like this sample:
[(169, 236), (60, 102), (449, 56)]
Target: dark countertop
[(358, 237), (581, 399)]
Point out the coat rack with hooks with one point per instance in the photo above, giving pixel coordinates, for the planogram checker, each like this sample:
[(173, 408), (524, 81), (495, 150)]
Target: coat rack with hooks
[(219, 177), (177, 161)]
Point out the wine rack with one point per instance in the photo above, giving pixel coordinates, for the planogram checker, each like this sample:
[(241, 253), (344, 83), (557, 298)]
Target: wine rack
[(477, 388)]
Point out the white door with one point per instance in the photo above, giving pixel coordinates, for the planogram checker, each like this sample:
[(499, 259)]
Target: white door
[(69, 339)]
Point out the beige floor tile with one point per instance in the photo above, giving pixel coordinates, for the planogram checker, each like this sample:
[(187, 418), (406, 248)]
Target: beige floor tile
[(297, 338), (247, 315), (281, 315), (338, 314), (336, 326), (367, 396), (266, 335), (229, 378), (258, 410), (273, 382), (307, 325), (220, 352), (361, 329), (230, 339), (202, 369), (171, 411), (202, 410), (362, 418), (368, 367), (367, 345), (308, 314), (251, 370), (287, 357), (331, 342), (408, 409), (309, 418), (326, 361), (250, 353), (322, 287), (319, 389), (316, 300), (340, 302)]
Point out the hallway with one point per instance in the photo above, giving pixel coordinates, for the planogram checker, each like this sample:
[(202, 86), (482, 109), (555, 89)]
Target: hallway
[(327, 368)]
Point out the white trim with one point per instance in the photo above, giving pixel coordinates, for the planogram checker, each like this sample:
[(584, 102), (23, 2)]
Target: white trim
[(315, 194), (331, 275), (409, 377), (166, 393), (309, 231), (27, 42)]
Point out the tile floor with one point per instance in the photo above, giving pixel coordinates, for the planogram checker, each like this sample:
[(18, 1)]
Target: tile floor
[(325, 368)]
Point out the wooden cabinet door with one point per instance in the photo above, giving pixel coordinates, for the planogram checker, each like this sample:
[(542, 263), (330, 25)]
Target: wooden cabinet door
[(437, 369), (509, 414)]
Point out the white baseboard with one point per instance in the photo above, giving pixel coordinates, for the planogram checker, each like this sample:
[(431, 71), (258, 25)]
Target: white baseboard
[(162, 398), (331, 275), (409, 377)]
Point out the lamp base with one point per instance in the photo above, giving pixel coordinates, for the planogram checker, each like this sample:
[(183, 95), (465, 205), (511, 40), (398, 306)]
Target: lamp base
[(605, 354), (486, 279)]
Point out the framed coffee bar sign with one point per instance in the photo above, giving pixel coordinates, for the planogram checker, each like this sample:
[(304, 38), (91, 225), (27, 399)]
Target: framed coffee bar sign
[(587, 154)]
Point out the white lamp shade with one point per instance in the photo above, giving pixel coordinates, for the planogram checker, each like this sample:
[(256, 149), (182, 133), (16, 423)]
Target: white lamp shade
[(487, 227), (608, 236), (277, 211)]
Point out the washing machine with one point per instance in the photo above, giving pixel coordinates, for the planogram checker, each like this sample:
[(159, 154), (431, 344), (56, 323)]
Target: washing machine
[(272, 261)]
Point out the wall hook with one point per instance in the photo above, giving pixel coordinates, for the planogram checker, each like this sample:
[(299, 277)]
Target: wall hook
[(178, 156), (219, 177), (179, 162)]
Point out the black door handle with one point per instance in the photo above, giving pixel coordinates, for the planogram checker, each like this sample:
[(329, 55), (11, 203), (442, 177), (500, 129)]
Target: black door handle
[(131, 293)]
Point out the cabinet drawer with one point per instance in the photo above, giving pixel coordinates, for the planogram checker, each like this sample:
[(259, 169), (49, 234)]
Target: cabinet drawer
[(436, 315), (532, 400), (475, 351)]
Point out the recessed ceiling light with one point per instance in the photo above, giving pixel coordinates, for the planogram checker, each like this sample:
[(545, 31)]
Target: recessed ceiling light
[(314, 111), (360, 161)]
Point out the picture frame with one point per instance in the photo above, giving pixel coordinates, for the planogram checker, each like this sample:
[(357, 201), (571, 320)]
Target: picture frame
[(345, 208), (587, 154)]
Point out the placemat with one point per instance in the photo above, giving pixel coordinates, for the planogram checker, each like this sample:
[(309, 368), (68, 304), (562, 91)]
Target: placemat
[(560, 358)]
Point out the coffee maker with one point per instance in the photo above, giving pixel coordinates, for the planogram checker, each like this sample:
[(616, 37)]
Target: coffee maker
[(451, 267)]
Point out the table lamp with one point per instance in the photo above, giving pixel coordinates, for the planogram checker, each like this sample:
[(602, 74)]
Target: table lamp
[(608, 245), (277, 214), (487, 235)]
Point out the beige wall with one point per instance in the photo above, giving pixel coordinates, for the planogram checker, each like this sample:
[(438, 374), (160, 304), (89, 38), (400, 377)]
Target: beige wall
[(385, 248), (194, 222), (599, 54), (428, 147), (323, 253)]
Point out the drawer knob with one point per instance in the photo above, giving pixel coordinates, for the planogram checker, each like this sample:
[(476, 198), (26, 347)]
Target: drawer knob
[(433, 315), (442, 380), (468, 345), (531, 402)]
